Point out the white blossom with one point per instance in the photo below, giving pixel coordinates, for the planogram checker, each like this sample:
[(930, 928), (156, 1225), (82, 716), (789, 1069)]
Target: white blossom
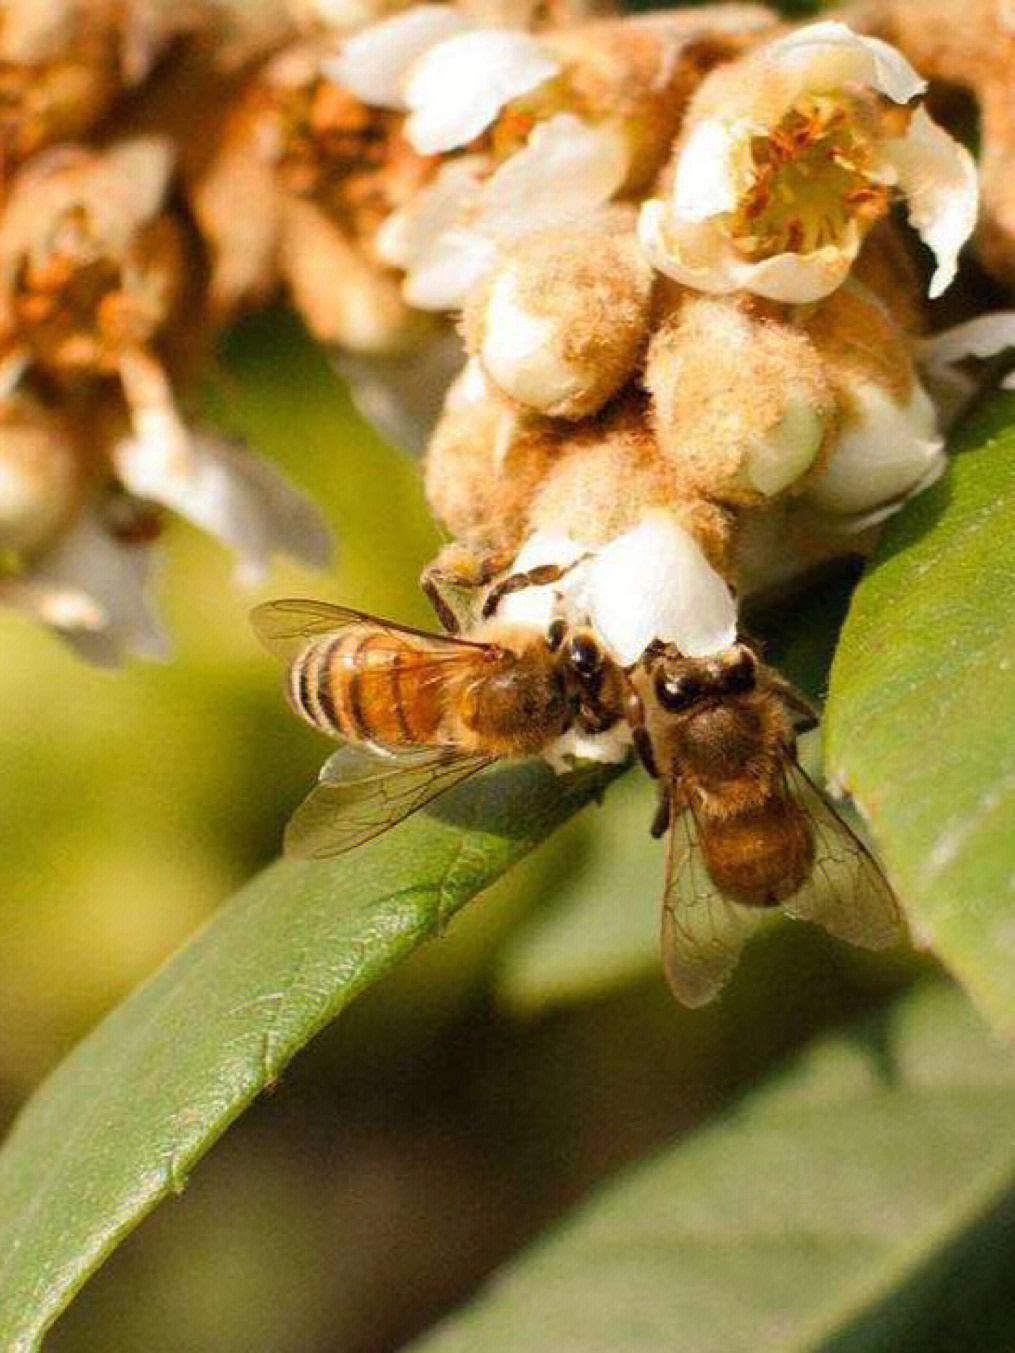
[(788, 158), (375, 63), (226, 491)]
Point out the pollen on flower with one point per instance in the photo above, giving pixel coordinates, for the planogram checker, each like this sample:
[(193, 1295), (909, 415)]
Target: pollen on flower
[(790, 156), (812, 175)]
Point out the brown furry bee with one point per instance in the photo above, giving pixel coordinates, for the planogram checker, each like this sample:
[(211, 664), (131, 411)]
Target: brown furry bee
[(421, 711), (748, 829)]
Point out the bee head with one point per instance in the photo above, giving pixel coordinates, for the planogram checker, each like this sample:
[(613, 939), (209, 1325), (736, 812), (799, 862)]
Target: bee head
[(681, 683)]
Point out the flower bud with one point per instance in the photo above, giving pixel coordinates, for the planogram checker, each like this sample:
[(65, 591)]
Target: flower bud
[(561, 322), (483, 464), (741, 402)]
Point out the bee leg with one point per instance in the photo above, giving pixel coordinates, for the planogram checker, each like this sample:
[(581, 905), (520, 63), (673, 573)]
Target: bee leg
[(634, 712), (540, 576), (661, 821), (443, 610), (805, 716), (451, 581)]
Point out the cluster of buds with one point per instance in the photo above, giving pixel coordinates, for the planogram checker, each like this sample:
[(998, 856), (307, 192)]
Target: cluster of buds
[(698, 391), (669, 236)]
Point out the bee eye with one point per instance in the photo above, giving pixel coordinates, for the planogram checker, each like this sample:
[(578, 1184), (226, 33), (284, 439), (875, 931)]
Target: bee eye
[(741, 675), (678, 692), (555, 634), (585, 655)]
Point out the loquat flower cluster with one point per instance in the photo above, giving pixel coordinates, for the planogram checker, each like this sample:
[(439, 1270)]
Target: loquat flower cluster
[(648, 289)]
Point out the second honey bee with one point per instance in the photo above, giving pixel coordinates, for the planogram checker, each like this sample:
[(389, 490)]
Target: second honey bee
[(421, 711), (747, 828)]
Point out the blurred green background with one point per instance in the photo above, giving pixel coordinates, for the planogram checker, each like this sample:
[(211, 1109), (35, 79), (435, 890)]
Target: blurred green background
[(468, 1099)]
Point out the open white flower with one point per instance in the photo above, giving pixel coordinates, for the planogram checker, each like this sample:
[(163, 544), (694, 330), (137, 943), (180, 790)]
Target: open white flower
[(214, 483), (791, 154), (451, 233)]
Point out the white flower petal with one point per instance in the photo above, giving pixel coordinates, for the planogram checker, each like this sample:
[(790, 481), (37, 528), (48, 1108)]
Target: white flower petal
[(985, 336), (609, 748), (885, 452), (458, 88), (229, 493), (402, 395), (938, 177), (828, 55), (699, 255), (91, 587), (408, 237), (373, 65), (709, 173), (799, 279), (567, 168), (458, 261), (940, 355), (449, 237), (654, 582)]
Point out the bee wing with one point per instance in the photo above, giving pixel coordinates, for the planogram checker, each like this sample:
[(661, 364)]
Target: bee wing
[(846, 892), (285, 626), (361, 794), (702, 931)]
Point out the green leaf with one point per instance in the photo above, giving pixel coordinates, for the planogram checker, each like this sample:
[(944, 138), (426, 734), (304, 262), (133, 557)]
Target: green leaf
[(855, 1205), (117, 1127), (600, 926), (920, 721)]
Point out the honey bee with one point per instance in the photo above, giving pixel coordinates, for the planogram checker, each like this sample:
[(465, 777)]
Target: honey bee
[(747, 828), (422, 711)]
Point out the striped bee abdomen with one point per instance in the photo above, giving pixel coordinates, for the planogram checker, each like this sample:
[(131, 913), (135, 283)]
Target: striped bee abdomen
[(370, 686)]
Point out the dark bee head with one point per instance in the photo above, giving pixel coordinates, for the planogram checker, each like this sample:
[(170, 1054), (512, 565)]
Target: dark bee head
[(680, 689), (597, 687), (585, 657), (738, 673), (681, 683)]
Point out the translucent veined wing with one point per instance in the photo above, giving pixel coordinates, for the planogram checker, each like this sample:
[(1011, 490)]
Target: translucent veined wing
[(846, 892), (361, 794), (702, 931), (286, 626)]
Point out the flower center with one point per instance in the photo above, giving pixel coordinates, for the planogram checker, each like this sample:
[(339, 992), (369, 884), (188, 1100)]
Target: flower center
[(814, 173)]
